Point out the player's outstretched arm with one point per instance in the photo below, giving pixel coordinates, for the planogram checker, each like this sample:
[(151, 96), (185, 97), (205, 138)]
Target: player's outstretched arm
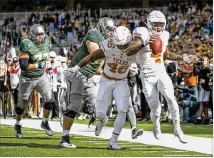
[(172, 56), (98, 54), (134, 46)]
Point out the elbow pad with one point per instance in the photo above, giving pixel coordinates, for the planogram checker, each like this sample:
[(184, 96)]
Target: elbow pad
[(23, 63)]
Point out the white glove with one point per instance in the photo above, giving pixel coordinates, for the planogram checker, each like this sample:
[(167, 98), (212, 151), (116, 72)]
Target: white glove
[(70, 72)]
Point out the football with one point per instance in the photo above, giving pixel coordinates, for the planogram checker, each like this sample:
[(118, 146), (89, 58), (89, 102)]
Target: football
[(156, 46)]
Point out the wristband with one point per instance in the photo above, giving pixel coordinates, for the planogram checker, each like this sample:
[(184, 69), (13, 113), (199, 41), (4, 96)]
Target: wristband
[(76, 68)]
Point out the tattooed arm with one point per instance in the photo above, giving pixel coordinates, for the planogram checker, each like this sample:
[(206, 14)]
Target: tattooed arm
[(172, 56), (134, 46), (98, 54)]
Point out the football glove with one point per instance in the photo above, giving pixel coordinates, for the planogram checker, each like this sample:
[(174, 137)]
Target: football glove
[(42, 65)]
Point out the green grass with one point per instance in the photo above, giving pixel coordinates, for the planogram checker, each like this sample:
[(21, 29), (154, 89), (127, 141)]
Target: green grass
[(36, 143), (205, 131)]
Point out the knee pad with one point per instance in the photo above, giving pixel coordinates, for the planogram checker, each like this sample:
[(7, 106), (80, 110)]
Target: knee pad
[(101, 116), (48, 106), (19, 111), (70, 113)]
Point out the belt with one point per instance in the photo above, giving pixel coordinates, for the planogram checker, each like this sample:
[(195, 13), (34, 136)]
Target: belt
[(111, 78)]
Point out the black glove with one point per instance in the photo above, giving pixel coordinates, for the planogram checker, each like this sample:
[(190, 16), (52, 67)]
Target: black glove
[(42, 65)]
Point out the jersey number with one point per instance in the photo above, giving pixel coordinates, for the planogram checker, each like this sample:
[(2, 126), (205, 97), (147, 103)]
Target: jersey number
[(111, 43), (158, 57), (114, 69)]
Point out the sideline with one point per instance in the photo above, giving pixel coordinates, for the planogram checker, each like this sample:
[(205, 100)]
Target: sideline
[(197, 144)]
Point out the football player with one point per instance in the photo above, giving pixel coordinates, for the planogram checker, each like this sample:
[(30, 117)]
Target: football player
[(83, 81), (32, 58), (113, 82), (153, 73)]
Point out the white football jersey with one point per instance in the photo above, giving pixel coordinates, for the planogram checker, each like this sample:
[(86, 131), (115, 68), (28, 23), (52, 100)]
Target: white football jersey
[(117, 63), (148, 62)]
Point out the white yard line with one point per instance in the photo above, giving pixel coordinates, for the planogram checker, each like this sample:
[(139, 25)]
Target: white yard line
[(197, 144)]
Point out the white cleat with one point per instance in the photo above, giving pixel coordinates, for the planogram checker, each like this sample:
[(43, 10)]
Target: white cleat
[(65, 142), (157, 130), (113, 146), (99, 127), (180, 135)]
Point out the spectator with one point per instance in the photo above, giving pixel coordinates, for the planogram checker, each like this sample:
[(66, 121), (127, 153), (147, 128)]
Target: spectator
[(204, 93), (190, 81)]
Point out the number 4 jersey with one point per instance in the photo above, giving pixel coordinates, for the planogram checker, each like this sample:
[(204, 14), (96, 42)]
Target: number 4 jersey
[(149, 63), (117, 63)]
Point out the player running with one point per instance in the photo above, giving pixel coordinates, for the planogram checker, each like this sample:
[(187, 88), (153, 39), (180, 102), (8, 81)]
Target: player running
[(34, 52)]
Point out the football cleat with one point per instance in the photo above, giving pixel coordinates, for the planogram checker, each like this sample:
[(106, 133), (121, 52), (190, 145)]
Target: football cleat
[(46, 127), (156, 130), (99, 127), (91, 121), (136, 132), (113, 146), (65, 142), (18, 131), (180, 135)]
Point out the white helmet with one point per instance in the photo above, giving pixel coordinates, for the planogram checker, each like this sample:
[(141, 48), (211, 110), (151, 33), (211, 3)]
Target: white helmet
[(156, 16), (52, 54), (59, 58), (63, 59), (122, 36)]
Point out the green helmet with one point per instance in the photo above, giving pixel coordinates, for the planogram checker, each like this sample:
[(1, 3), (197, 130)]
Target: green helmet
[(106, 26), (37, 34)]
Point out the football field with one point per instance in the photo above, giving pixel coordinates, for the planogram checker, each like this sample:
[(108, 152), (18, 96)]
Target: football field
[(36, 143)]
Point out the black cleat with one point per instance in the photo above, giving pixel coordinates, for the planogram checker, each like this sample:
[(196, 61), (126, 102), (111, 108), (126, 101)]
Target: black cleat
[(46, 127), (136, 132), (91, 121), (18, 131), (65, 142)]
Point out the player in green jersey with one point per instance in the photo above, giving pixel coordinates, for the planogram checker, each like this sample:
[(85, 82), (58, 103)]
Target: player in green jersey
[(33, 55), (82, 82)]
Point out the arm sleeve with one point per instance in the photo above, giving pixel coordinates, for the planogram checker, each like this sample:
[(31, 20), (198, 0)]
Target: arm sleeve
[(23, 63), (143, 33)]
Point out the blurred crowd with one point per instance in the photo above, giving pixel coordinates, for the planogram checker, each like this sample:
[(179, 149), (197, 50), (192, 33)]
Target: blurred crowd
[(191, 31)]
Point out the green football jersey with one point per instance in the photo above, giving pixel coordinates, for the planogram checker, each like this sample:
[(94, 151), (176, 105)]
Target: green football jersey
[(36, 54), (90, 69)]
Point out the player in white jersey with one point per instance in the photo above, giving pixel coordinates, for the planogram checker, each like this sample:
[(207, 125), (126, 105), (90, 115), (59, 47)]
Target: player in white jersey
[(113, 82), (153, 73)]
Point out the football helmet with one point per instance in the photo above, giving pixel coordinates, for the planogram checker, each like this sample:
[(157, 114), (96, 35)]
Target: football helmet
[(58, 60), (64, 62), (156, 18), (37, 34), (122, 36), (52, 56), (106, 26)]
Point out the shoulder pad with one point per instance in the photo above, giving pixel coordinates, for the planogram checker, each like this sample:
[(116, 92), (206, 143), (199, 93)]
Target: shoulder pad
[(25, 45)]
